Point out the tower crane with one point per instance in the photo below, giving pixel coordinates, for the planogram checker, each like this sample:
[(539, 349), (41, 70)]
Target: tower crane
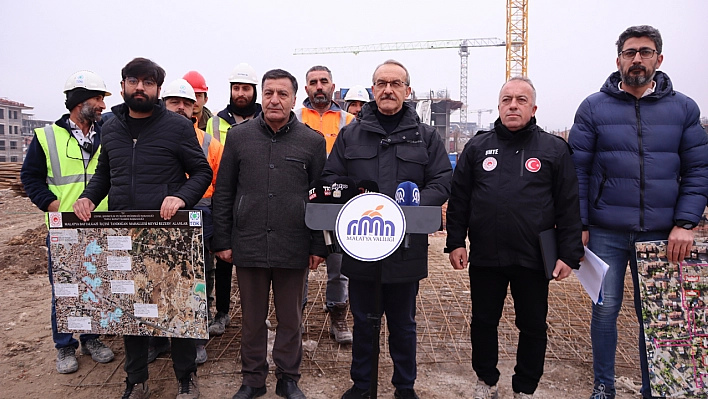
[(462, 44), (516, 48)]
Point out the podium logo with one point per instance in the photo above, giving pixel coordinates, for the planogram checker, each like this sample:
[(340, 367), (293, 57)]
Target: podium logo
[(370, 227), (372, 223)]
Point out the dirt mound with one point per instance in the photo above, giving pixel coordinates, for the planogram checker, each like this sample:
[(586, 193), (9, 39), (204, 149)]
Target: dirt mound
[(26, 253)]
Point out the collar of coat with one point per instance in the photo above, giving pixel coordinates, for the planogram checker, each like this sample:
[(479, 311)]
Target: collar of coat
[(286, 128), (369, 121)]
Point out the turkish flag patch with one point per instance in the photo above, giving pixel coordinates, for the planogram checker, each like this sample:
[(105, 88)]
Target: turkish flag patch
[(533, 165)]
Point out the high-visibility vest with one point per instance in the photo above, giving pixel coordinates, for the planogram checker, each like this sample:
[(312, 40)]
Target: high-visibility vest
[(216, 123), (328, 123), (66, 174)]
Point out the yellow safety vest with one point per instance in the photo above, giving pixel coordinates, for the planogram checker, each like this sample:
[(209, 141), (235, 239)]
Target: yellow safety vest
[(66, 174), (216, 123)]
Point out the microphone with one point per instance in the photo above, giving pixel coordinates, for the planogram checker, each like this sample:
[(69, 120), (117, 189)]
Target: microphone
[(343, 189), (367, 186), (321, 193), (407, 194)]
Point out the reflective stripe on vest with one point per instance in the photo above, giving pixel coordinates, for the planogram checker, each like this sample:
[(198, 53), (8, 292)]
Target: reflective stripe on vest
[(215, 121), (205, 144), (57, 179), (342, 119)]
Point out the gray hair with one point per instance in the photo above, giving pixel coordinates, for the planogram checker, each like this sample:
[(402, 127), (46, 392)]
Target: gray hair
[(640, 31), (318, 68), (391, 62), (523, 79)]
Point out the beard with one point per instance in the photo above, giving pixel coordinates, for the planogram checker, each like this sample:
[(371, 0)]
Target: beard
[(89, 114), (321, 98), (140, 104), (637, 80)]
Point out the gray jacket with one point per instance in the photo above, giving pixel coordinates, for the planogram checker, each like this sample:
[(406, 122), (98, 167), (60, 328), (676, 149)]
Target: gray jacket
[(261, 192)]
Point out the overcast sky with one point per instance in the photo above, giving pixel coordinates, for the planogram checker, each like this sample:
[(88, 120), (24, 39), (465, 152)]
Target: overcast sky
[(571, 45)]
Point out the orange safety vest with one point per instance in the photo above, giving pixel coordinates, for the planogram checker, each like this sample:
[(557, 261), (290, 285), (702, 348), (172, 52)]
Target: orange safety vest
[(328, 123), (213, 150)]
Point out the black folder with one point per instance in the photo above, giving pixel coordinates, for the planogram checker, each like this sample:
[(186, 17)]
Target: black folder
[(549, 251)]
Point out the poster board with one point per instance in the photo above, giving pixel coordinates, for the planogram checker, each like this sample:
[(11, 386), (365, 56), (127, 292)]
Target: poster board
[(675, 317), (129, 273)]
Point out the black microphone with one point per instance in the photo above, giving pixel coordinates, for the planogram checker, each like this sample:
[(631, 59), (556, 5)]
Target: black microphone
[(343, 189), (321, 193), (367, 186), (407, 194)]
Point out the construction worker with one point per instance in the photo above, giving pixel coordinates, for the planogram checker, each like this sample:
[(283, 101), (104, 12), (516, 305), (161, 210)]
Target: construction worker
[(355, 98), (324, 115), (201, 112), (241, 108), (242, 105), (59, 163), (179, 97)]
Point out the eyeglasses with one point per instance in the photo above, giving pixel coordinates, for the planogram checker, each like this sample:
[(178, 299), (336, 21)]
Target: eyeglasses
[(72, 152), (133, 82), (395, 84), (630, 53)]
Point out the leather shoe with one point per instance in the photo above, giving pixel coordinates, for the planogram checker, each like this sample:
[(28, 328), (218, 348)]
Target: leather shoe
[(246, 392), (405, 393), (287, 388)]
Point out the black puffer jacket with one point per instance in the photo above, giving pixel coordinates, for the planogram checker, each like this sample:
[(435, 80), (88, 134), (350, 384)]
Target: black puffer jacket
[(261, 191), (412, 152), (139, 175)]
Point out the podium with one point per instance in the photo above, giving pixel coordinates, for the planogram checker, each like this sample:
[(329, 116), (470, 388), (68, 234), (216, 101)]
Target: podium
[(417, 220)]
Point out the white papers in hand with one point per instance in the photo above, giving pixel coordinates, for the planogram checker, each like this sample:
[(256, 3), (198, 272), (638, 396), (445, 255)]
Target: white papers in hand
[(592, 274)]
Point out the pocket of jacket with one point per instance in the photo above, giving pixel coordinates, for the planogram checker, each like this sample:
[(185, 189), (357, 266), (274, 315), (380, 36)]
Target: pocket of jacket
[(411, 163), (359, 152), (301, 162), (239, 209), (599, 190)]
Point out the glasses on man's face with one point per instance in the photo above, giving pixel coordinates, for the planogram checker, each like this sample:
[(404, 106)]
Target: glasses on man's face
[(630, 53), (395, 84), (147, 83)]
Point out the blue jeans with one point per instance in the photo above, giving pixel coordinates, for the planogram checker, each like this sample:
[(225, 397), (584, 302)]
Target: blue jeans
[(62, 340), (616, 248)]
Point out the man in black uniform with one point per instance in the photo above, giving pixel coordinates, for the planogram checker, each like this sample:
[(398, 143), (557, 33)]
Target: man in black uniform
[(511, 184), (389, 145)]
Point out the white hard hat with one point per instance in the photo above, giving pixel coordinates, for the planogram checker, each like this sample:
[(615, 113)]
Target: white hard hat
[(357, 93), (179, 88), (243, 73), (87, 80)]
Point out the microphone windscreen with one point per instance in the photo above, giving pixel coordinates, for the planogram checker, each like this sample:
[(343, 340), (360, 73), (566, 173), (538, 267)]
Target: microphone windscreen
[(367, 186), (320, 192), (407, 194), (343, 189)]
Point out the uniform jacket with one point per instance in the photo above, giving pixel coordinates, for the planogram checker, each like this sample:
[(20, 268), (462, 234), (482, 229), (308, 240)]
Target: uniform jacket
[(329, 123), (642, 163), (261, 193), (412, 152), (223, 121), (34, 168), (508, 188), (139, 175)]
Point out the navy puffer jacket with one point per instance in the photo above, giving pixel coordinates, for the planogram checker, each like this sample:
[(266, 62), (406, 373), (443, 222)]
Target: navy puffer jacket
[(642, 164)]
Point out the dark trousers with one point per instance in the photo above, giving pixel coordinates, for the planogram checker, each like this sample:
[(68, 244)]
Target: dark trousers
[(398, 304), (184, 353), (529, 288), (223, 285), (254, 284)]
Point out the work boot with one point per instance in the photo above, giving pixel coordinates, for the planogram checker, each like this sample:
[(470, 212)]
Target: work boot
[(66, 360), (521, 395), (154, 351), (405, 393), (287, 388), (484, 391), (188, 387), (201, 354), (602, 391), (98, 350), (338, 323), (219, 324), (136, 391), (356, 393)]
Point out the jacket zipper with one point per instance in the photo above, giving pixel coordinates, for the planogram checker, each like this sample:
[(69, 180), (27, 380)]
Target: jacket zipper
[(599, 191), (641, 166), (521, 174), (132, 174)]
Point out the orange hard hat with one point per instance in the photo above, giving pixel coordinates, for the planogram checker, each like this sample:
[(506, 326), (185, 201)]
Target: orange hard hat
[(196, 80)]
